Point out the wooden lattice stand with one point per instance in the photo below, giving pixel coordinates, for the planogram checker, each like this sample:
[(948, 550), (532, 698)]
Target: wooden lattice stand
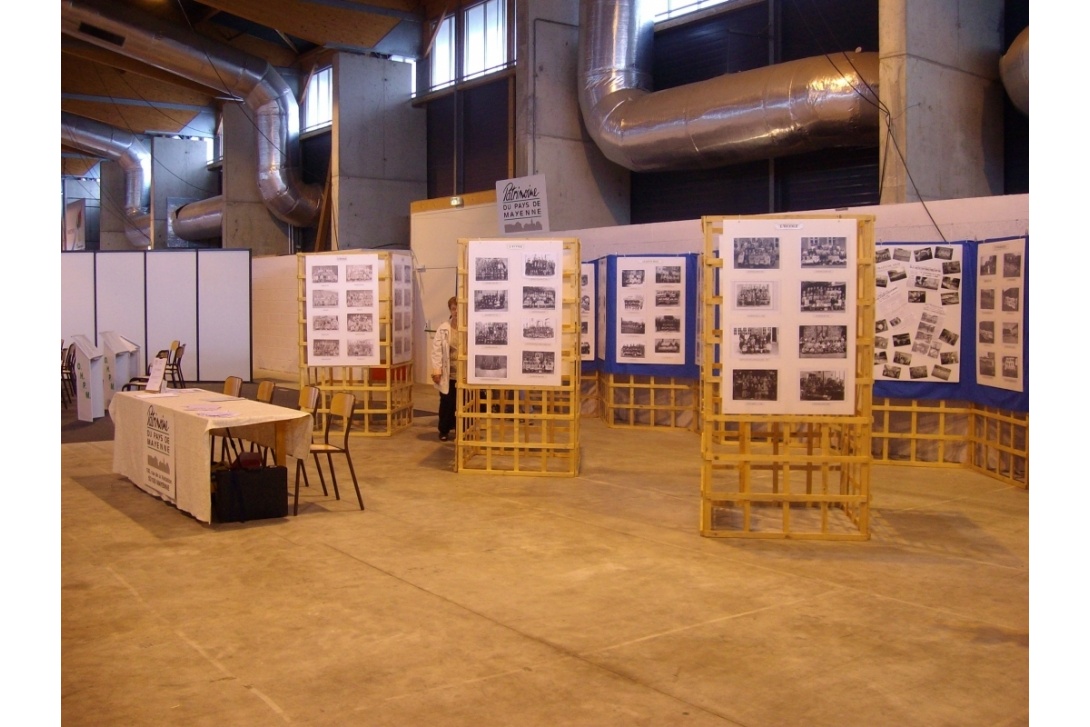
[(630, 400)]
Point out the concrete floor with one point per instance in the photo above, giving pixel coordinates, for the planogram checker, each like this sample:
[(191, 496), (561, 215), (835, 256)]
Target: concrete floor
[(465, 599)]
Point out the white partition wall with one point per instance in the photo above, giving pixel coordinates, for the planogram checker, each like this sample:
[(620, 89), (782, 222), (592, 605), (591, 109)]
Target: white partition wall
[(77, 295), (172, 306), (119, 280), (223, 307)]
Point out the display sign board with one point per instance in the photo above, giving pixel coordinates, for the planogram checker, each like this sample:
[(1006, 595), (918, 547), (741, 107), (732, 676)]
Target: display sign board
[(342, 309), (522, 205)]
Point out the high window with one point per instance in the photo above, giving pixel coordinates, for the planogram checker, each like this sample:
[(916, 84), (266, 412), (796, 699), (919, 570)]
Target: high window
[(318, 100), (474, 42), (674, 8)]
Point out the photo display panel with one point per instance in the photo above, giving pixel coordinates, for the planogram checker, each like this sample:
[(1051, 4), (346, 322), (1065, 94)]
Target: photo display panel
[(602, 310), (342, 309), (587, 319), (1000, 314), (651, 325), (788, 316), (917, 319), (515, 302), (401, 327)]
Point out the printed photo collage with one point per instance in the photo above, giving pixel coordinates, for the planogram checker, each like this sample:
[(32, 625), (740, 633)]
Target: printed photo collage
[(650, 297), (788, 316), (1000, 314), (917, 326), (342, 309), (516, 312), (588, 333), (401, 293)]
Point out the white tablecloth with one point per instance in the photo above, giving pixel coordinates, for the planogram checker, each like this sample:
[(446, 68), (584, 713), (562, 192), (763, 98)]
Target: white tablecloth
[(162, 441)]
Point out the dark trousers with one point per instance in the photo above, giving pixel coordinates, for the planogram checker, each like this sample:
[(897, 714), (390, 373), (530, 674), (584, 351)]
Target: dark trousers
[(447, 409)]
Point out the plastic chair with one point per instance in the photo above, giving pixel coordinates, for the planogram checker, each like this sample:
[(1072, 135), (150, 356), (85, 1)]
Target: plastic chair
[(339, 417)]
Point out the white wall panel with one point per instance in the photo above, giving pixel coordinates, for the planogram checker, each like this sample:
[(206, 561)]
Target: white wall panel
[(77, 295), (223, 314), (119, 296), (172, 304)]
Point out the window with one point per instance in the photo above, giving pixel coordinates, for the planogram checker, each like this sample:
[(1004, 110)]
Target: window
[(442, 55), (485, 38), (318, 100), (675, 8)]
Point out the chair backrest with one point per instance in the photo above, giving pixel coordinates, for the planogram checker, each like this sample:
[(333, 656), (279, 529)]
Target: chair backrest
[(70, 355), (340, 409), (265, 391), (173, 347), (232, 386), (308, 399), (176, 353)]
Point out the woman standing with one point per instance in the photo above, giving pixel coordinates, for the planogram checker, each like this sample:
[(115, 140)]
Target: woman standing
[(443, 369)]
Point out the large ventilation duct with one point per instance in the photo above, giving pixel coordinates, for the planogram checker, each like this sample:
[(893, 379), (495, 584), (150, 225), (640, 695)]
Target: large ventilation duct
[(1014, 70), (789, 108), (201, 220), (127, 31), (131, 154)]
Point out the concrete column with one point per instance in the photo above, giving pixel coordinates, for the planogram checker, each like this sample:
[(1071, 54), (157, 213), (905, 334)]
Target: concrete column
[(111, 222), (939, 78), (379, 155), (585, 189), (179, 173), (247, 222)]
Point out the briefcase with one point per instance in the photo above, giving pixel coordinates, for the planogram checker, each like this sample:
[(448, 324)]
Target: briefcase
[(250, 494)]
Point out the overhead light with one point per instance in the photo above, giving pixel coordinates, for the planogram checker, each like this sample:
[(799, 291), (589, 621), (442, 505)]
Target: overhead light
[(456, 201)]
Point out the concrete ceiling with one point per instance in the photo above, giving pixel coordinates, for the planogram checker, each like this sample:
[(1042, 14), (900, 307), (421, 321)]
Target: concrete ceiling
[(289, 34)]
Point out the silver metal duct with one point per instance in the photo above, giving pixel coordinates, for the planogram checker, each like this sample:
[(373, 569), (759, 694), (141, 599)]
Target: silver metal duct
[(131, 154), (1014, 70), (128, 31), (201, 220), (793, 107)]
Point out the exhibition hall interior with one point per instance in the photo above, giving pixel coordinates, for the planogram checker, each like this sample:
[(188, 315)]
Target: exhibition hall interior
[(582, 362)]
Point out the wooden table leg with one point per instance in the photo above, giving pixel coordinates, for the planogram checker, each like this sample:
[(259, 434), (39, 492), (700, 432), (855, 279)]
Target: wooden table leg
[(281, 449)]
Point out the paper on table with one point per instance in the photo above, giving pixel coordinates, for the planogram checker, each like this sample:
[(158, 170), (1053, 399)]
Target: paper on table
[(218, 414), (156, 395)]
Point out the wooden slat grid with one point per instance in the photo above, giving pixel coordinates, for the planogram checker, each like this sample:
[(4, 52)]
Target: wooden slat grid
[(590, 400), (999, 444), (522, 430), (930, 433), (630, 400), (384, 393), (786, 476)]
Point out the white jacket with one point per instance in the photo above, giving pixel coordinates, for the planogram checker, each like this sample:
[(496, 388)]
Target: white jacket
[(440, 357)]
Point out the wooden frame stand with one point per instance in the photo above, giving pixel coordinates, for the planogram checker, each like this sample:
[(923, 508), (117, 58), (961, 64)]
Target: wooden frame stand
[(630, 400)]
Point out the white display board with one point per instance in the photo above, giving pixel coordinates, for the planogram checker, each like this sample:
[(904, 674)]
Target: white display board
[(342, 309), (402, 306), (223, 315), (515, 316), (602, 312), (788, 316), (1000, 314), (588, 328), (917, 319), (172, 304), (651, 326)]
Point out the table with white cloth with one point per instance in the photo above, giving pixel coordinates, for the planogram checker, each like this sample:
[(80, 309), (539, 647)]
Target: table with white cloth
[(162, 441)]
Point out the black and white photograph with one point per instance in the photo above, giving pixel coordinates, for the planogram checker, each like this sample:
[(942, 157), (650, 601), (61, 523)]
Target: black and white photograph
[(756, 341), (881, 342), (584, 303), (754, 295), (667, 298), (882, 255), (325, 298), (822, 296), (631, 278), (896, 274), (940, 372), (880, 357), (667, 274), (632, 302), (950, 298), (902, 357), (667, 324), (942, 252), (538, 362), (929, 318), (584, 328), (667, 345), (633, 326), (950, 283), (325, 274), (359, 273), (824, 252), (755, 385), (920, 347), (986, 332), (923, 253), (894, 322), (823, 341), (1010, 367), (948, 336), (361, 347), (490, 366), (327, 347), (490, 333), (891, 372), (987, 298), (326, 323), (927, 282), (1009, 301), (490, 269), (902, 254), (538, 329), (881, 281), (988, 265), (902, 339), (359, 298), (917, 296), (537, 297), (1012, 265), (948, 358), (633, 350), (1010, 332), (397, 274), (489, 300), (361, 322), (953, 267), (584, 348), (917, 372), (987, 364), (756, 253), (881, 325), (821, 385), (399, 321), (540, 265), (399, 297)]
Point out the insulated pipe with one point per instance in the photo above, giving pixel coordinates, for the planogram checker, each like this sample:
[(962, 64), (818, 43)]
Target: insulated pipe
[(131, 154), (1014, 70), (135, 34), (788, 108), (201, 220)]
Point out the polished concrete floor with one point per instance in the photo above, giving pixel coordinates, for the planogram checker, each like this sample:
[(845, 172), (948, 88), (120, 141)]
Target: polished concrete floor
[(466, 599)]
